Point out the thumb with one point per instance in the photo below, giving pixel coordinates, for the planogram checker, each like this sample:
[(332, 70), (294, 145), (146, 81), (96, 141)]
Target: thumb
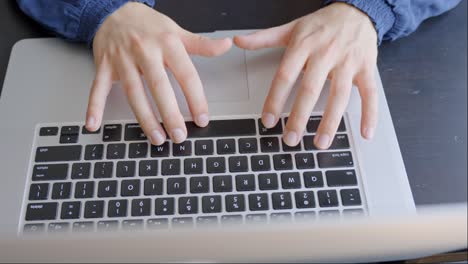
[(204, 46), (267, 38)]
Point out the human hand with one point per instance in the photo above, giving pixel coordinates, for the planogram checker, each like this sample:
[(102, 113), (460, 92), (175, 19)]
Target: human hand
[(338, 41), (137, 40)]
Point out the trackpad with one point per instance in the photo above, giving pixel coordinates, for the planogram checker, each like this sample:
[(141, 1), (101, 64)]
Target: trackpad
[(224, 78)]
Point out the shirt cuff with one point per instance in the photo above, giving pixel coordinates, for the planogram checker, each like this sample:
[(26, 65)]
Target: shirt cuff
[(378, 11), (94, 14)]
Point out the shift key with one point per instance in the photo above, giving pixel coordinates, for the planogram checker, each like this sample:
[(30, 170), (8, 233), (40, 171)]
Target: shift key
[(58, 153), (335, 159)]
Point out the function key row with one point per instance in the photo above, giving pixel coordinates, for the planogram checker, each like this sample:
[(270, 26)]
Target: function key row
[(191, 205)]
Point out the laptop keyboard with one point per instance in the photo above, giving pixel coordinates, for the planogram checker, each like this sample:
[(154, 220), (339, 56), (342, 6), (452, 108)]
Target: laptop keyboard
[(233, 171)]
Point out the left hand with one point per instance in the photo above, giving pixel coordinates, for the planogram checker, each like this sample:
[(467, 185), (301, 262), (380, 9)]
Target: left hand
[(338, 42)]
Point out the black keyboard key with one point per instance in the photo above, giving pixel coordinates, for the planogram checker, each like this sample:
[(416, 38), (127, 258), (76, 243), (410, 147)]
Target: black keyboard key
[(238, 164), (134, 132), (342, 126), (245, 182), (70, 210), (164, 206), (309, 143), (268, 181), (116, 151), (340, 142), (313, 179), (222, 128), (50, 172), (193, 166), (260, 163), (216, 165), (160, 151), (258, 202), (235, 203), (170, 167), (107, 189), (130, 188), (94, 152), (138, 150), (85, 131), (159, 223), (281, 200), (107, 226), (276, 130), (117, 208), (141, 207), (81, 170), (282, 162), (291, 180), (226, 146), (38, 191), (58, 227), (248, 145), (304, 161), (188, 205), (70, 130), (199, 184), (84, 189), (94, 209), (313, 124), (87, 226), (176, 186), (68, 139), (112, 133), (41, 211), (327, 198), (335, 159), (153, 187), (148, 168), (103, 169), (288, 148), (48, 131), (126, 169), (350, 197), (204, 147), (269, 144), (58, 153), (61, 190), (341, 178), (305, 199), (222, 183), (182, 149), (211, 204), (132, 225)]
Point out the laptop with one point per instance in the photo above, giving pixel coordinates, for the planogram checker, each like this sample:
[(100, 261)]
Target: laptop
[(59, 178)]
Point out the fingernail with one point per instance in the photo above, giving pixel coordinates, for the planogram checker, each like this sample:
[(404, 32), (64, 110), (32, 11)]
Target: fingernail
[(156, 137), (369, 133), (202, 120), (91, 122), (290, 138), (322, 140), (178, 135), (268, 120)]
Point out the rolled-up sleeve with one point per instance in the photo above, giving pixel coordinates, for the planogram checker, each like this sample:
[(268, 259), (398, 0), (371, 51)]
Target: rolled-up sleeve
[(74, 20), (394, 19)]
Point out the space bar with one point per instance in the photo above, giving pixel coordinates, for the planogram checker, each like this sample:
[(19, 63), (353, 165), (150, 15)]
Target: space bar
[(223, 128)]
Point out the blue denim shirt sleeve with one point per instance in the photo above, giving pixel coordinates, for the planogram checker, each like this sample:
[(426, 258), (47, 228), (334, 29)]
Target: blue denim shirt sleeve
[(394, 19), (75, 20)]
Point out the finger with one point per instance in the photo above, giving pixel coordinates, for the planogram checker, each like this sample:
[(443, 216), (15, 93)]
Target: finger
[(314, 78), (182, 67), (340, 90), (102, 85), (267, 38), (139, 102), (156, 77), (290, 67), (369, 99), (204, 46)]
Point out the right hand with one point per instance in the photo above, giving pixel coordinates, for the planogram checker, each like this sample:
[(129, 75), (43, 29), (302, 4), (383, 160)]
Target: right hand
[(137, 40)]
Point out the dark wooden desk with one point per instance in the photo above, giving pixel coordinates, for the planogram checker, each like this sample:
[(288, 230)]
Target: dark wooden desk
[(424, 76)]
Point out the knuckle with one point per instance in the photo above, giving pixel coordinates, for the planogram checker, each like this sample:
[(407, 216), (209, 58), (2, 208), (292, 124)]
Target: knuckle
[(169, 39), (311, 91), (285, 76)]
